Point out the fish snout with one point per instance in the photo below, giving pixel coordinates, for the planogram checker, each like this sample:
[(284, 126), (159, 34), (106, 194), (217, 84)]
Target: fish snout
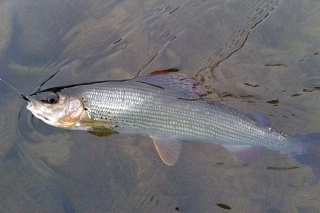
[(32, 102), (30, 106)]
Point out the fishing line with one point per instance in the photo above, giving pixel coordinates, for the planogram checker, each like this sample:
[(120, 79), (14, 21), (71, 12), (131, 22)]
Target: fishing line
[(12, 87)]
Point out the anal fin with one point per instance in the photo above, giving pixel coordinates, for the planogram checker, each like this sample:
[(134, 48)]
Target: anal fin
[(244, 154)]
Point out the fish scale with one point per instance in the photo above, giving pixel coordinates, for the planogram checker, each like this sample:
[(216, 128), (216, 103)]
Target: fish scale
[(140, 108)]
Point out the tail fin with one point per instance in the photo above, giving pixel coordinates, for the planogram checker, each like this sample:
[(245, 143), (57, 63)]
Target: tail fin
[(311, 155)]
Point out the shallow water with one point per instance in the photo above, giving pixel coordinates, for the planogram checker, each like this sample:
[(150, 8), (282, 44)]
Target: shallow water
[(255, 56)]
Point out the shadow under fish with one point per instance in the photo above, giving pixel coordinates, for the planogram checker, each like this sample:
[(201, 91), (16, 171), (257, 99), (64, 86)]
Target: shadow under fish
[(167, 106)]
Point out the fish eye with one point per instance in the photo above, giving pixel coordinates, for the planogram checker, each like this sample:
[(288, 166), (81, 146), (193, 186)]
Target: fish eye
[(51, 99)]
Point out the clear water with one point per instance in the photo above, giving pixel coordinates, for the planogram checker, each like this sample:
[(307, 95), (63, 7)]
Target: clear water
[(252, 55)]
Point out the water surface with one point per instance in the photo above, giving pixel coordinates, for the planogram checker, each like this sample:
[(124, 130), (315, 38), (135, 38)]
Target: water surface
[(253, 55)]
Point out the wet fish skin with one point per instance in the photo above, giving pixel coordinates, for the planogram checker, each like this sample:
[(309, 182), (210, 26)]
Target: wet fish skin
[(143, 109), (168, 107)]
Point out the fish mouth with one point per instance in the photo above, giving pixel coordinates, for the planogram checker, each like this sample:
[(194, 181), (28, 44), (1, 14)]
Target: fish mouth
[(32, 107), (40, 116), (33, 104)]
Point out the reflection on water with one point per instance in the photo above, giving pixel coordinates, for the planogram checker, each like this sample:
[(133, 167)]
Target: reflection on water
[(256, 56)]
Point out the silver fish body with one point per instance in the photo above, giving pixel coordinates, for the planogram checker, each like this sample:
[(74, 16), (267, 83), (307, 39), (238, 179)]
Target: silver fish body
[(167, 107), (135, 107)]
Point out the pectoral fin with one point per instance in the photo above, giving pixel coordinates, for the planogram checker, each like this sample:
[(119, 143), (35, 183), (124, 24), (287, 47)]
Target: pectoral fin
[(92, 124), (101, 132), (168, 149)]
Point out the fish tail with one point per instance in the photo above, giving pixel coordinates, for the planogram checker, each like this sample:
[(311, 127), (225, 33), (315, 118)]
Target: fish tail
[(310, 154)]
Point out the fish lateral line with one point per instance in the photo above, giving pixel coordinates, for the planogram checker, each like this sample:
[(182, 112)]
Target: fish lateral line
[(191, 99)]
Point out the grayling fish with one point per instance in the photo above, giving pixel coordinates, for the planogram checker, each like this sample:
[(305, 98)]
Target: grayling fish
[(167, 106)]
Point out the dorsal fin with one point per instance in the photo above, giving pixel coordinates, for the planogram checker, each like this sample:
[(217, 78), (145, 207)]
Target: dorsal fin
[(175, 81), (160, 72)]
